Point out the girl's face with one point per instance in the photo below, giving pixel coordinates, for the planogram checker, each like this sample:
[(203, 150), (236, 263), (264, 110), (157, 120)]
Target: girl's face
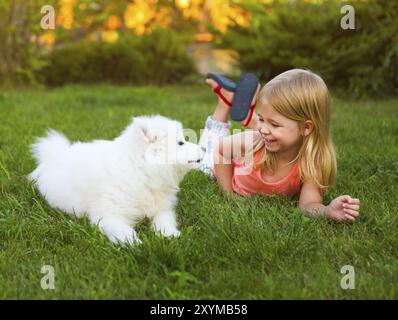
[(278, 132)]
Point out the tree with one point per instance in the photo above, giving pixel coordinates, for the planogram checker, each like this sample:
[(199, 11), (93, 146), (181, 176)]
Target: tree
[(19, 43)]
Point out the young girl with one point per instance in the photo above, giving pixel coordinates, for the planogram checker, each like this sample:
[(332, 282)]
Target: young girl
[(290, 147)]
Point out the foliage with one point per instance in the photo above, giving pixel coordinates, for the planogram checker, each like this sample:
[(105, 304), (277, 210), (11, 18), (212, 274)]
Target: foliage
[(284, 35), (19, 46), (157, 58)]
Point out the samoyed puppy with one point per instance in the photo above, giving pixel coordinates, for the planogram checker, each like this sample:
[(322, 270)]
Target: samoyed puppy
[(117, 183)]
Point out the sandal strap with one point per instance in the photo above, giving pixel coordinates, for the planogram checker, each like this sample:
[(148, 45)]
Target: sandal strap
[(217, 91), (250, 114)]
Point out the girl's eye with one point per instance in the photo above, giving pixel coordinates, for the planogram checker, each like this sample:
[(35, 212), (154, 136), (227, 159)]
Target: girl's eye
[(275, 125), (261, 120), (180, 143)]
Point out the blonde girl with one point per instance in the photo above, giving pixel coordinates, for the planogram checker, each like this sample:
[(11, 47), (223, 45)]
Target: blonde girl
[(289, 146)]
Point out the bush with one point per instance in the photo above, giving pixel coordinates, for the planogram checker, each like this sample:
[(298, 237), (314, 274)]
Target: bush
[(299, 34), (157, 58)]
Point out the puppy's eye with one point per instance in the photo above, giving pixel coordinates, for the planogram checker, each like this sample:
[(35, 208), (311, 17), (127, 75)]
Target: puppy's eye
[(180, 143)]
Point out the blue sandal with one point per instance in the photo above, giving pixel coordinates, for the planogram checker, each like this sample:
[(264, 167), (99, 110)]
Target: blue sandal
[(222, 81), (245, 90)]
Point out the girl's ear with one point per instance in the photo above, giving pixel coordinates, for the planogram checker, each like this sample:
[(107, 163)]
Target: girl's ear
[(308, 127)]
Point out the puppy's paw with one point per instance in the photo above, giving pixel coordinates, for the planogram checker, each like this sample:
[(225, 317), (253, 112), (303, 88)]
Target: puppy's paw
[(131, 239), (165, 224), (168, 232), (125, 239), (118, 232), (171, 233)]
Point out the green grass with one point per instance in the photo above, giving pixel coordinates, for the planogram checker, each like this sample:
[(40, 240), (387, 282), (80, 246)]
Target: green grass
[(242, 248)]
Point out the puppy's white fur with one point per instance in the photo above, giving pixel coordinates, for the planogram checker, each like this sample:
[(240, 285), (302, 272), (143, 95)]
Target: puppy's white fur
[(119, 182)]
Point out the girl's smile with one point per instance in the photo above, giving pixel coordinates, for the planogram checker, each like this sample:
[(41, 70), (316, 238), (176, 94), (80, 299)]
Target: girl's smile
[(268, 140)]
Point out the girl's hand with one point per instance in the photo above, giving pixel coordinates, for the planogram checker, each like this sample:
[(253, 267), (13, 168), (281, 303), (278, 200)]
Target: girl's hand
[(343, 208)]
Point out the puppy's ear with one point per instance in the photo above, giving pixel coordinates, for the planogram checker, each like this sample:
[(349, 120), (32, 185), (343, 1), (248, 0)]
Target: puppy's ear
[(144, 128)]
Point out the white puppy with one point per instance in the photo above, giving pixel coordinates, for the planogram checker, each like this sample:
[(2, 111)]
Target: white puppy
[(117, 183)]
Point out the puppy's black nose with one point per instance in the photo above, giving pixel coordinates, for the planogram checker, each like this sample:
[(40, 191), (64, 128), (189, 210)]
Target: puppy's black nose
[(203, 149)]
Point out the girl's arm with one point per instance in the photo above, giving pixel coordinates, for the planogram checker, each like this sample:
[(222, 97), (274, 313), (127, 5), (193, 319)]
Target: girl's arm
[(224, 176), (343, 208), (228, 148)]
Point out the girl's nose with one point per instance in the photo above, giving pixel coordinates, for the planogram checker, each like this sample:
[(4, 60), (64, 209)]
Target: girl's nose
[(265, 130)]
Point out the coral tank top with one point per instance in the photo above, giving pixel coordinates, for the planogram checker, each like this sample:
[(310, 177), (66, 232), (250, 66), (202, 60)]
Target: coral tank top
[(247, 180)]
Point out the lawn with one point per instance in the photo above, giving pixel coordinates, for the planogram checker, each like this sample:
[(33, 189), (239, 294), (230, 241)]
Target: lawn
[(241, 248)]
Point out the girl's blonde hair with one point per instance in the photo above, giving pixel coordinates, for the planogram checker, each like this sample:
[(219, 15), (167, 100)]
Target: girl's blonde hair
[(302, 95)]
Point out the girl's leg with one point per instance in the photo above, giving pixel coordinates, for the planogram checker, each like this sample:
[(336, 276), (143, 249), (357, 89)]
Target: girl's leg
[(221, 113), (216, 127)]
